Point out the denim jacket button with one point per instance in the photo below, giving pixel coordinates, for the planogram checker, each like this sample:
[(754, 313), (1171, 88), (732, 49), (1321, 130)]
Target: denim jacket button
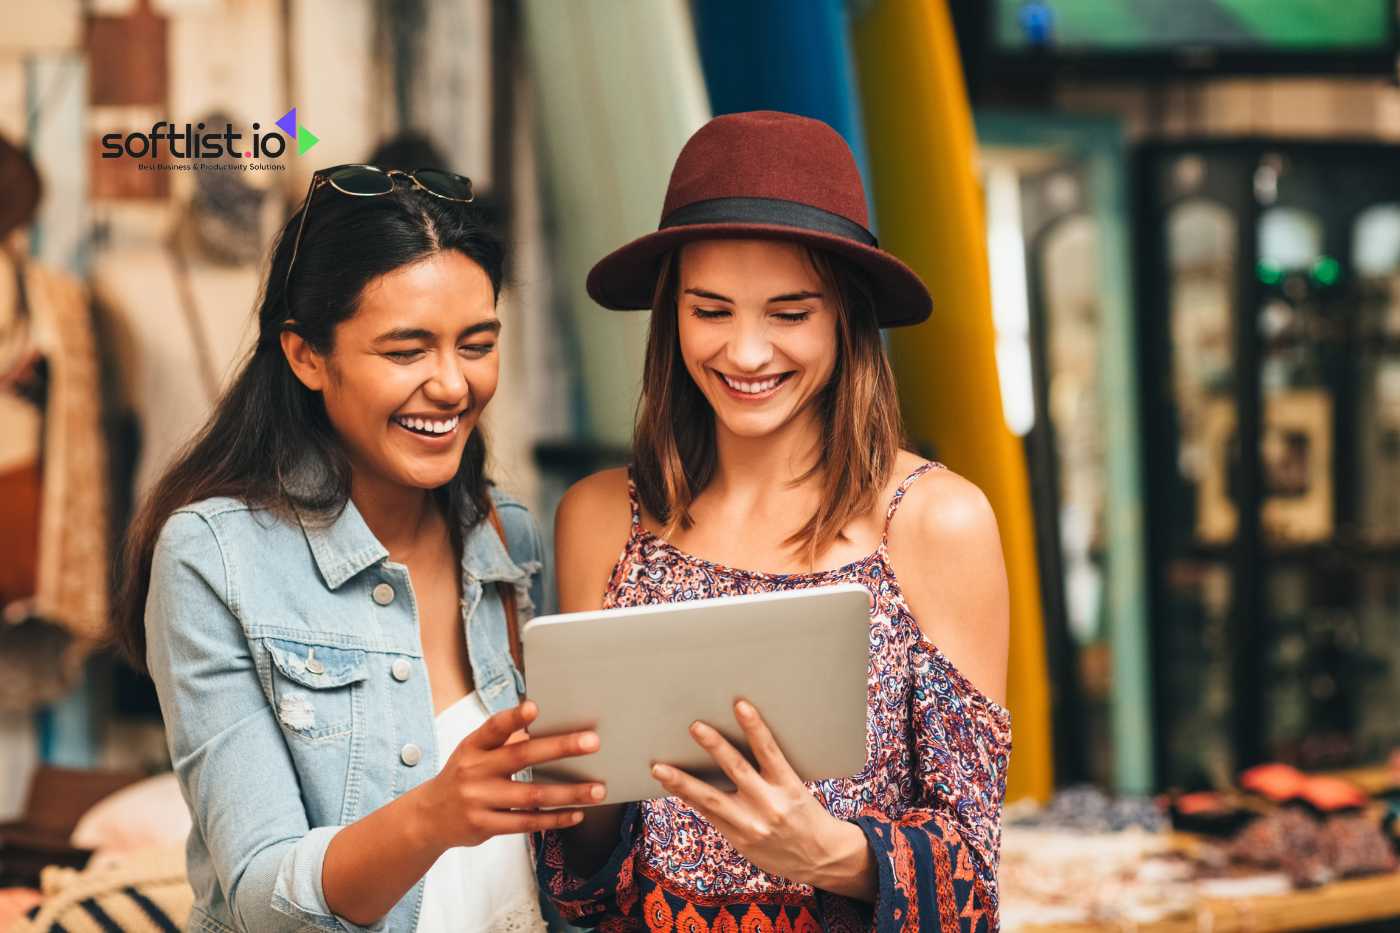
[(383, 594), (401, 669), (410, 754)]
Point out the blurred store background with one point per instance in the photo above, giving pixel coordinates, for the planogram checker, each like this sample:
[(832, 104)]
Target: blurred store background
[(1163, 238)]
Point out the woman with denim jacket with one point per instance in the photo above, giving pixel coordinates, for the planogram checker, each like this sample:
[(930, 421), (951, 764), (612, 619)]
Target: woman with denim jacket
[(321, 587)]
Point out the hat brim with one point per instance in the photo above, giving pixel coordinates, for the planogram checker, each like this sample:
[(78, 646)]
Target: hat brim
[(625, 279)]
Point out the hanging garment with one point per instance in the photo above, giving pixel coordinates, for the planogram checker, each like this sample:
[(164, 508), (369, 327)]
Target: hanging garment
[(61, 507), (73, 568)]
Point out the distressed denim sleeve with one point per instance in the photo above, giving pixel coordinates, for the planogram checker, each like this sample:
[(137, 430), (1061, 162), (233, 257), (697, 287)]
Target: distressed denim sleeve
[(228, 752)]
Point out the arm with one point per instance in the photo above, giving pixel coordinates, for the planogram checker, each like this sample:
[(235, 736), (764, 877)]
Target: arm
[(947, 554), (771, 818), (370, 864), (577, 866), (588, 536), (241, 785), (227, 750)]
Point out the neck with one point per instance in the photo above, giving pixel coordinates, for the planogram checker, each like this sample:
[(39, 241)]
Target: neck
[(397, 515), (775, 460)]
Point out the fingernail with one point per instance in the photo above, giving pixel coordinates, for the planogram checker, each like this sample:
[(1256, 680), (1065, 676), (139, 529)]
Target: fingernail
[(661, 772), (698, 728), (598, 792), (588, 742), (744, 708), (576, 818)]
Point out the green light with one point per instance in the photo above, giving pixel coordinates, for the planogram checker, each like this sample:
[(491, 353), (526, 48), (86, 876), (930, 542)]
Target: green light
[(1327, 270), (1270, 274)]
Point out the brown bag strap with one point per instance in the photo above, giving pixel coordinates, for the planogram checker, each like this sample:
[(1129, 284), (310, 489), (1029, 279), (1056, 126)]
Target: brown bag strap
[(507, 594)]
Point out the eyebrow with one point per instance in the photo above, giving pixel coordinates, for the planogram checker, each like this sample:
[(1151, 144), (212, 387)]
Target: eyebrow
[(418, 333), (790, 296)]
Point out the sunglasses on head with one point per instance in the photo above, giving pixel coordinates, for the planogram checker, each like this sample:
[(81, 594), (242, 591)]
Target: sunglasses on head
[(367, 181)]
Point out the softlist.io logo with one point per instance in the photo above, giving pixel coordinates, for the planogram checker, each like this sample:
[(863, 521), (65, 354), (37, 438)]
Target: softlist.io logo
[(198, 141), (304, 137)]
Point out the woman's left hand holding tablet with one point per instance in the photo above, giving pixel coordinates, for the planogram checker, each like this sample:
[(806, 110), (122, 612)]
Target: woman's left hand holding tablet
[(772, 818)]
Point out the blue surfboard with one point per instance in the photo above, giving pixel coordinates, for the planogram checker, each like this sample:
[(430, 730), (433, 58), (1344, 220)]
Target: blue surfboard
[(792, 55)]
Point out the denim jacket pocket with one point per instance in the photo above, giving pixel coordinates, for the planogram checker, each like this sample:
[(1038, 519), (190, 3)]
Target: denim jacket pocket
[(312, 686)]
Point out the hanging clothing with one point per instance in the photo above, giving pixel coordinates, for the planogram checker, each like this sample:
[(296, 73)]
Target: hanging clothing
[(53, 533), (929, 799), (73, 578), (489, 887)]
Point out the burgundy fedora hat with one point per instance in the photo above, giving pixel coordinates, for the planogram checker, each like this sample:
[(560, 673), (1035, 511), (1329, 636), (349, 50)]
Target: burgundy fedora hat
[(764, 175)]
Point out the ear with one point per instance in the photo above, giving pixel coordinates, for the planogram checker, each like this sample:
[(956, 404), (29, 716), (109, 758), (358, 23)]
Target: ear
[(308, 365)]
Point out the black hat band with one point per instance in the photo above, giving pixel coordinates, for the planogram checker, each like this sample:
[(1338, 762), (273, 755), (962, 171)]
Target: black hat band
[(772, 211)]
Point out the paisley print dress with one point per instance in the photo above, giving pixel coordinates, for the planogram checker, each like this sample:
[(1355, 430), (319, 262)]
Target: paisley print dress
[(929, 798)]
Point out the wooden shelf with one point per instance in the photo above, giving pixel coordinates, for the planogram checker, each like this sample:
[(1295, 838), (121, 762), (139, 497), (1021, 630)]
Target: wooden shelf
[(1363, 900)]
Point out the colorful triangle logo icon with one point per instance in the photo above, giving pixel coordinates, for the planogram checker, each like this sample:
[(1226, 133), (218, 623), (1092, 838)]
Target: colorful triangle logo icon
[(288, 122)]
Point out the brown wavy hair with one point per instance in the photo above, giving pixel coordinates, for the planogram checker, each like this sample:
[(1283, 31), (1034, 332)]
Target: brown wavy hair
[(674, 441)]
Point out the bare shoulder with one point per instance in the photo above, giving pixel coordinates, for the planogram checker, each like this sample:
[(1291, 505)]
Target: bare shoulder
[(946, 551), (943, 509), (591, 527), (599, 498)]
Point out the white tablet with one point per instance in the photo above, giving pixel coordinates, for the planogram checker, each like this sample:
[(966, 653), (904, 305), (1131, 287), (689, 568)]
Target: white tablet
[(640, 676)]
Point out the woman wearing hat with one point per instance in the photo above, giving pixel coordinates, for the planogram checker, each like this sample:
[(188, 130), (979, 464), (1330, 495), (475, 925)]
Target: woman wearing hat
[(768, 438)]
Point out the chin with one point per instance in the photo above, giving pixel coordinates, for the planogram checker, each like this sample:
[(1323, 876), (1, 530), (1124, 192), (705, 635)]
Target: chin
[(753, 426), (428, 478)]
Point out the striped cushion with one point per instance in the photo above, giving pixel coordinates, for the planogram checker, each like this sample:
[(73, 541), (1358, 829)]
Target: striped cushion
[(148, 892)]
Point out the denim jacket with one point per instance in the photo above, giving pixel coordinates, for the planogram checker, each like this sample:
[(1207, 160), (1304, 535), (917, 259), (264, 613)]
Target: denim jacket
[(290, 671)]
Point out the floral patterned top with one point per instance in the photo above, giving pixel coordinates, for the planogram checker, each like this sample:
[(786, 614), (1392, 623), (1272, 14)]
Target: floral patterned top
[(929, 798)]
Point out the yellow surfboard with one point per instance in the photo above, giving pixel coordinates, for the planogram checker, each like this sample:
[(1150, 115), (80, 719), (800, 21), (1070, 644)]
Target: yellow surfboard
[(919, 130)]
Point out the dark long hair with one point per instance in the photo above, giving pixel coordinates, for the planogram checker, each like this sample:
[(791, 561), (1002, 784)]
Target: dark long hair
[(267, 428)]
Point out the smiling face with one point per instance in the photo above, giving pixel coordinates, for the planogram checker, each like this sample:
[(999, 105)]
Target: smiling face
[(411, 370), (757, 331)]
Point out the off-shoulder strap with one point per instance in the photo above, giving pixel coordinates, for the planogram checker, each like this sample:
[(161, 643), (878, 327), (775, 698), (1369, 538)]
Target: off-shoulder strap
[(898, 496), (634, 501)]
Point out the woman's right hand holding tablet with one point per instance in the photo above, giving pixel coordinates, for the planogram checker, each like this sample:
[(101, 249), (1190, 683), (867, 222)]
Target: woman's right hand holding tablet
[(474, 796), (370, 863)]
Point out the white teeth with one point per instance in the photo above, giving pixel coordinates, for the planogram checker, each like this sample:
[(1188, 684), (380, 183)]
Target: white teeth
[(427, 425), (752, 388)]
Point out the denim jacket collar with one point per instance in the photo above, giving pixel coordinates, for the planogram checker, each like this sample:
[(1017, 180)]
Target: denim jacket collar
[(344, 546), (485, 558)]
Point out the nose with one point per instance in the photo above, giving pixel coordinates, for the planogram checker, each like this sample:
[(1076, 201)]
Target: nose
[(749, 348), (448, 384)]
